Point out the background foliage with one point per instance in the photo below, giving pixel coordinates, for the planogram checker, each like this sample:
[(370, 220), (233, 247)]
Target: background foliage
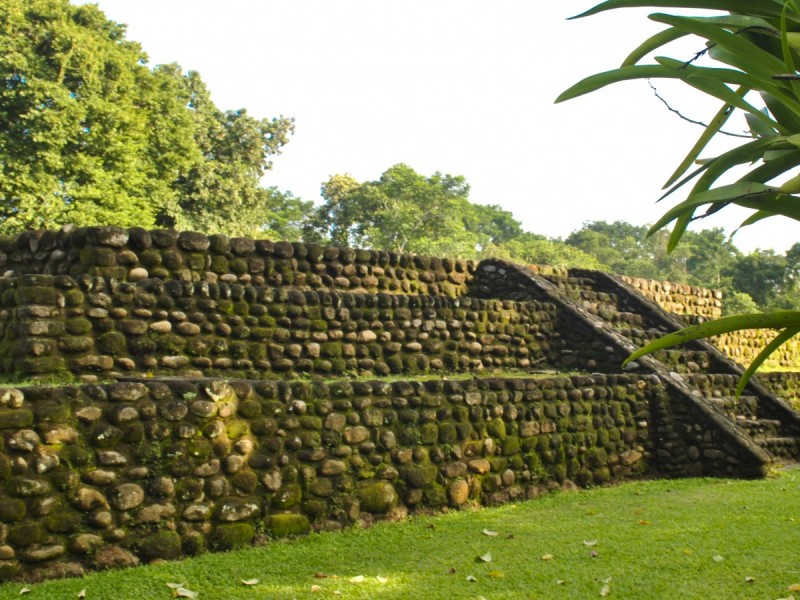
[(90, 134)]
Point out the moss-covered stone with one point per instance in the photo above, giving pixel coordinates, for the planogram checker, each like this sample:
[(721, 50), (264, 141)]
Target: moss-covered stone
[(25, 534), (194, 543), (377, 496), (283, 525), (11, 510), (496, 428), (15, 418), (245, 481), (232, 535), (163, 544), (510, 446), (287, 497), (78, 326), (8, 569), (36, 295), (63, 522)]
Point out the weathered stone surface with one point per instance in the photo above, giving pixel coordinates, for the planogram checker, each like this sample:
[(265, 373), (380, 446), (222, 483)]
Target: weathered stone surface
[(86, 499), (24, 440), (23, 487), (356, 435), (479, 465), (377, 496), (272, 480), (126, 391), (458, 492), (161, 327), (332, 468), (37, 553), (197, 512), (99, 477), (237, 509), (154, 513), (111, 458), (288, 524), (84, 543), (126, 496), (138, 274), (109, 556), (61, 435), (12, 398), (89, 413)]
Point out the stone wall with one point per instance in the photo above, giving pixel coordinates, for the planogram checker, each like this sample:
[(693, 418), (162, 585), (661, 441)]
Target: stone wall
[(92, 325), (231, 392), (695, 304), (136, 254), (682, 300), (99, 476)]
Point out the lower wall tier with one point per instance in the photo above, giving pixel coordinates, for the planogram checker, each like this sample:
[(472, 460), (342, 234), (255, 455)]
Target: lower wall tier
[(100, 476)]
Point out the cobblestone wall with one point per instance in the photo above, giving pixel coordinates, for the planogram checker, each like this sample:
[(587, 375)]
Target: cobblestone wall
[(112, 475)]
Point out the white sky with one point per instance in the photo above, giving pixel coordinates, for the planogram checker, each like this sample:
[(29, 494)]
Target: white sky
[(465, 87)]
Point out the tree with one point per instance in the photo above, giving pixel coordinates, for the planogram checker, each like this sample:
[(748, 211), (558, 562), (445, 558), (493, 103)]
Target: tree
[(532, 248), (760, 274), (757, 45), (402, 211), (493, 222), (90, 135)]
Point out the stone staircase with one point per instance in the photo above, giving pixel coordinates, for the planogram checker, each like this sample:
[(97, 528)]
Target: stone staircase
[(758, 413)]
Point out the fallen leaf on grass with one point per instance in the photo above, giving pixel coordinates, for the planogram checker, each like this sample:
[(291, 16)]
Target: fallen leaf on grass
[(547, 557), (485, 558), (718, 558), (82, 593), (490, 533), (495, 574), (25, 590), (510, 536), (593, 554), (561, 581), (795, 587), (589, 542), (382, 579), (451, 571), (175, 586), (356, 579), (184, 593), (315, 589), (606, 589), (644, 522), (472, 578), (320, 576), (249, 581)]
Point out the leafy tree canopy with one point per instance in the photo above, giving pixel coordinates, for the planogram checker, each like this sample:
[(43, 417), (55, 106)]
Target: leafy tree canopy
[(90, 135), (405, 211)]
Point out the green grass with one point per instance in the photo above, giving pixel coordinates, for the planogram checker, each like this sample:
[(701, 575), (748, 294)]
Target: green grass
[(690, 538)]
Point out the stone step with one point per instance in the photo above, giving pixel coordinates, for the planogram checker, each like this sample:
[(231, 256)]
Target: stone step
[(781, 447), (638, 336), (685, 361), (744, 407), (759, 428)]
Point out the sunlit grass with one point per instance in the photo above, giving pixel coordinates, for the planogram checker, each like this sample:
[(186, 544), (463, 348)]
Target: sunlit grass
[(691, 538)]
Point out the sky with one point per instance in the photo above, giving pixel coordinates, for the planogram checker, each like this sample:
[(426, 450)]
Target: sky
[(464, 87)]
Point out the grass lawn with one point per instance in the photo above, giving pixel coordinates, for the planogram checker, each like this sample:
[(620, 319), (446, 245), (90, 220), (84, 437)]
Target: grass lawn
[(690, 538)]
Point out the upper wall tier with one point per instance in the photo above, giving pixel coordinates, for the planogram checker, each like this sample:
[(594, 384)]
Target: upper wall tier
[(136, 254)]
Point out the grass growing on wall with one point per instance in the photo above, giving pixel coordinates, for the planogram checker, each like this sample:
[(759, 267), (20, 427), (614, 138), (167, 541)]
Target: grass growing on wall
[(691, 538)]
